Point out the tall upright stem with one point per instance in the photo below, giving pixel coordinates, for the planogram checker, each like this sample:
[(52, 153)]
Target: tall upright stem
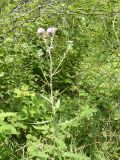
[(51, 75), (51, 80), (50, 71)]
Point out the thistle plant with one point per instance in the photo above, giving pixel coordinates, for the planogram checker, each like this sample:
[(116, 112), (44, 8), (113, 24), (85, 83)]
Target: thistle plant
[(49, 34), (48, 38)]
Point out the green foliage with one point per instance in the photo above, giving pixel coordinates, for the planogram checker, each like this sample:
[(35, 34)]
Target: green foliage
[(83, 121)]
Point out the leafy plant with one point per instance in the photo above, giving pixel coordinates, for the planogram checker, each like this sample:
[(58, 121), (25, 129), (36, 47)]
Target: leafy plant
[(59, 89)]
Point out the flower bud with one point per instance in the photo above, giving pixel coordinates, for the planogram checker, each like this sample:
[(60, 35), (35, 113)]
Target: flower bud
[(41, 31), (51, 30)]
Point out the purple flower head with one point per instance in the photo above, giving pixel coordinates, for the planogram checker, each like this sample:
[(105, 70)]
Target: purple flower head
[(41, 31), (51, 30)]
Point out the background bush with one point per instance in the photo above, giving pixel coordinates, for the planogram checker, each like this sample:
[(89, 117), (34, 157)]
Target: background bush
[(87, 88)]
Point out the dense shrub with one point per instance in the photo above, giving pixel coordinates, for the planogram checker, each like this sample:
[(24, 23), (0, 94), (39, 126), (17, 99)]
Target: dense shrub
[(61, 102)]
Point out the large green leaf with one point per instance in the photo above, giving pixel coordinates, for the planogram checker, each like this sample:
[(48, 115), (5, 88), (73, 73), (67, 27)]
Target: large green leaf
[(8, 129)]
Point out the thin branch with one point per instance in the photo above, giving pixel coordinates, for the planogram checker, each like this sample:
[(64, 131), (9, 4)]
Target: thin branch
[(45, 98), (115, 18), (64, 55), (43, 122), (67, 12)]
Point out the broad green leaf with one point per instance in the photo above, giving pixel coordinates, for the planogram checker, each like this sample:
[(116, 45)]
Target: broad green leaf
[(8, 129), (2, 74), (3, 115), (76, 156)]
